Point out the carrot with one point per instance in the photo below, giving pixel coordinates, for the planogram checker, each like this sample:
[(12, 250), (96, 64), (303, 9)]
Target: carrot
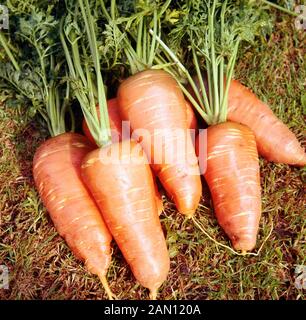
[(117, 135), (275, 141), (232, 171), (57, 175), (117, 173), (152, 100), (57, 162), (232, 175), (129, 209)]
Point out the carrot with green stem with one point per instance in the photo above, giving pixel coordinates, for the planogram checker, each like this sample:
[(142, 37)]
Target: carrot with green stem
[(57, 162), (275, 141), (117, 174), (153, 102), (232, 167)]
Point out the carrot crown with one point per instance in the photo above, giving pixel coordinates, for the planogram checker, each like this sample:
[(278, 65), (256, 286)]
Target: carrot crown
[(83, 59), (212, 31)]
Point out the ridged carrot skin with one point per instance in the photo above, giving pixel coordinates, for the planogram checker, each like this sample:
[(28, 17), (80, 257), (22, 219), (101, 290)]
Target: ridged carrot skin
[(232, 175), (124, 192), (117, 136), (275, 141), (152, 100), (57, 175)]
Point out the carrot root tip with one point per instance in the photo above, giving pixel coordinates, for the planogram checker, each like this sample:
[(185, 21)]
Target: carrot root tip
[(153, 294), (106, 287)]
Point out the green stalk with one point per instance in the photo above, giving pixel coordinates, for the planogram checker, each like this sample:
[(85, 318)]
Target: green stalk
[(77, 60), (113, 9), (276, 6), (139, 39), (199, 108), (105, 137), (144, 42), (9, 53), (65, 107), (131, 54), (202, 113), (146, 46), (202, 86), (229, 75), (77, 87), (221, 68), (210, 84), (214, 73), (153, 43)]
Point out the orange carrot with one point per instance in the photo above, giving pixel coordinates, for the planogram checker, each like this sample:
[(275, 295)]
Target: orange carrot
[(57, 175), (152, 100), (57, 162), (232, 171), (117, 174), (275, 141), (129, 209), (232, 175)]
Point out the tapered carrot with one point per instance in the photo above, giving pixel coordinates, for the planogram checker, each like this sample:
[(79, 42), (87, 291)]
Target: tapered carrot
[(275, 141), (117, 174), (151, 100), (57, 162), (232, 171), (117, 134), (232, 175), (57, 175), (129, 209)]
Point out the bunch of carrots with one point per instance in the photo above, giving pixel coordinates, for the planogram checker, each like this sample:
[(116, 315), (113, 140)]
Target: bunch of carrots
[(102, 185)]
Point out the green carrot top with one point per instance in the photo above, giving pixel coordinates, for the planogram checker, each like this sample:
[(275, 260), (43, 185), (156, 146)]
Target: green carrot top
[(83, 59), (35, 68), (212, 31), (138, 47)]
